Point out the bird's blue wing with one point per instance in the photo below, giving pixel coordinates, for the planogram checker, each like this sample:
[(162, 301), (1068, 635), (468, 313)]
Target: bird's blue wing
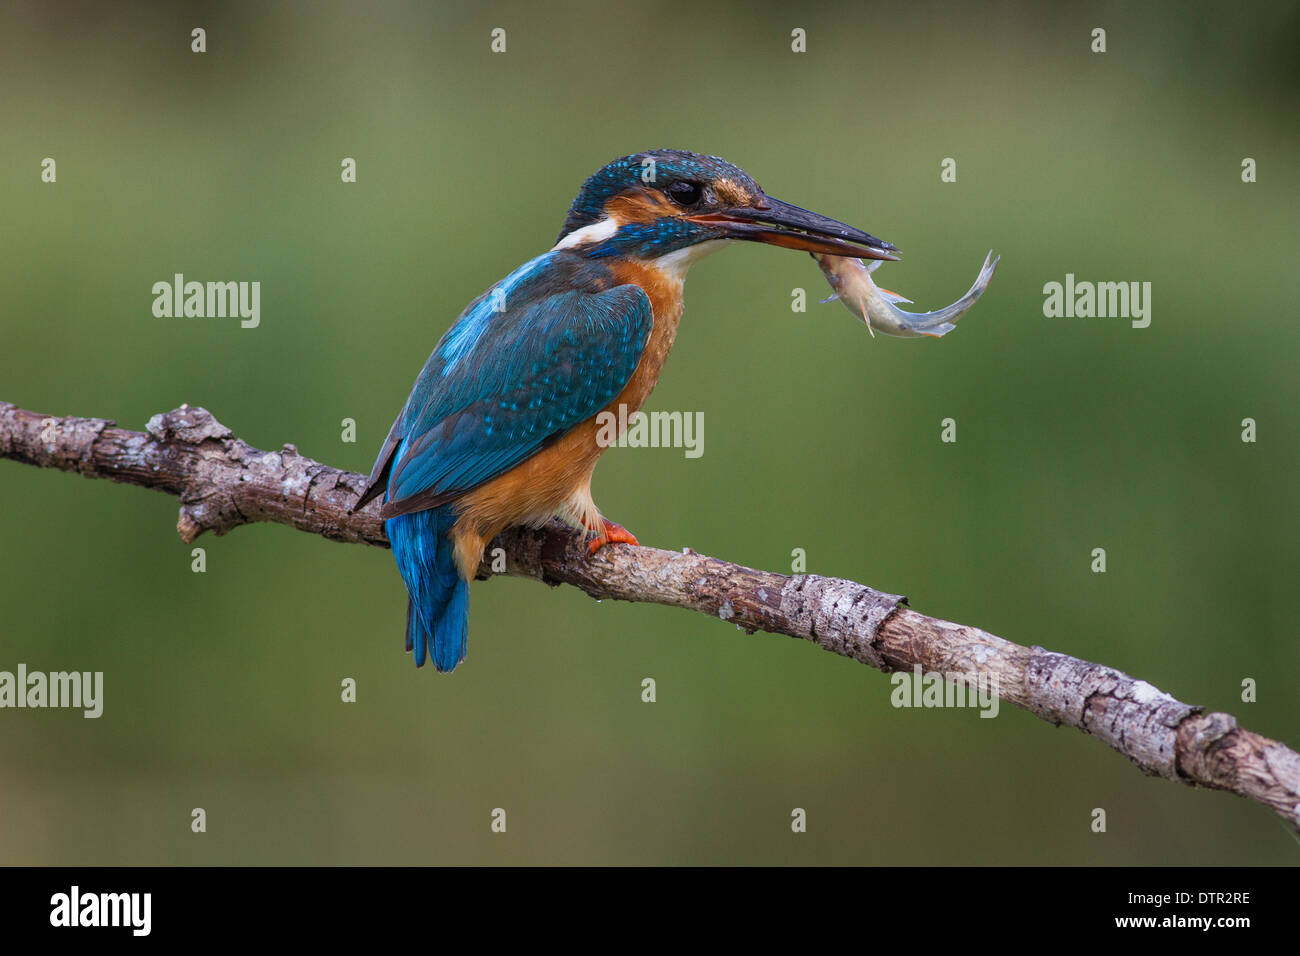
[(524, 364)]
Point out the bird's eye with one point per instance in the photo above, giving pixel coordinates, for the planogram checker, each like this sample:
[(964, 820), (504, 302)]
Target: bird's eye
[(684, 193)]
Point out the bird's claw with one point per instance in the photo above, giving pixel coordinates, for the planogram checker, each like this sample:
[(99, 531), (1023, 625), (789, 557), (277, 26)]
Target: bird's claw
[(610, 533)]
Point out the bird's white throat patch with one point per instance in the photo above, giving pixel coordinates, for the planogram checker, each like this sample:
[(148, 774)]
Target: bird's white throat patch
[(672, 264), (596, 232), (676, 263)]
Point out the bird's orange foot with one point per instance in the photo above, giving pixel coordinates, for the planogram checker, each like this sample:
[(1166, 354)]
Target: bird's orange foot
[(610, 533)]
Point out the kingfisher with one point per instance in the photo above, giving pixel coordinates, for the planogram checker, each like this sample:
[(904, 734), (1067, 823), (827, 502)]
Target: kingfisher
[(501, 428)]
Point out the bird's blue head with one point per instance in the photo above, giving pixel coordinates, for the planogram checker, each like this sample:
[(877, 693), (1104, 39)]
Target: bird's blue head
[(671, 206)]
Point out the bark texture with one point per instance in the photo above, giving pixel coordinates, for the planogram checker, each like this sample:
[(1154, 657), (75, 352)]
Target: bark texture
[(222, 483)]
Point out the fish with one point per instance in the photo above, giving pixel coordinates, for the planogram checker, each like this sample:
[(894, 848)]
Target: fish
[(851, 283)]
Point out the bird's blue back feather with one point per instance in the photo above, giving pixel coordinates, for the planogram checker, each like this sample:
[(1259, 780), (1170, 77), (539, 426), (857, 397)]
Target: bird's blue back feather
[(500, 384)]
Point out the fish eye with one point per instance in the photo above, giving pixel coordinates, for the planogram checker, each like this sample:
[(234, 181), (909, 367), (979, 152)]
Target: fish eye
[(684, 192)]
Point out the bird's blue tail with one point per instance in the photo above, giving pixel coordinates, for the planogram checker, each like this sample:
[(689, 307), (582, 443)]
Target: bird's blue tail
[(437, 617)]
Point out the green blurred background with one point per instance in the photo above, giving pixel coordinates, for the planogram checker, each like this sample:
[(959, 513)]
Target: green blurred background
[(222, 689)]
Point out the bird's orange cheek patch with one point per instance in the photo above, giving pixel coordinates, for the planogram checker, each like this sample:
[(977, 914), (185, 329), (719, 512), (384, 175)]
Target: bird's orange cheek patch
[(732, 193), (639, 205)]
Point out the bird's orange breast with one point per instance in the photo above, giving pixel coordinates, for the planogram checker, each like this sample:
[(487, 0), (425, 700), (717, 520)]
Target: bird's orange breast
[(665, 294), (558, 478)]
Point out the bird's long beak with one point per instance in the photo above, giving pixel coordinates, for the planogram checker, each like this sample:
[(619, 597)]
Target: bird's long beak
[(797, 228)]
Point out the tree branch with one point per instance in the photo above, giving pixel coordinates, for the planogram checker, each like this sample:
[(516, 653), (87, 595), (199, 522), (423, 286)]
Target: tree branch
[(222, 482)]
